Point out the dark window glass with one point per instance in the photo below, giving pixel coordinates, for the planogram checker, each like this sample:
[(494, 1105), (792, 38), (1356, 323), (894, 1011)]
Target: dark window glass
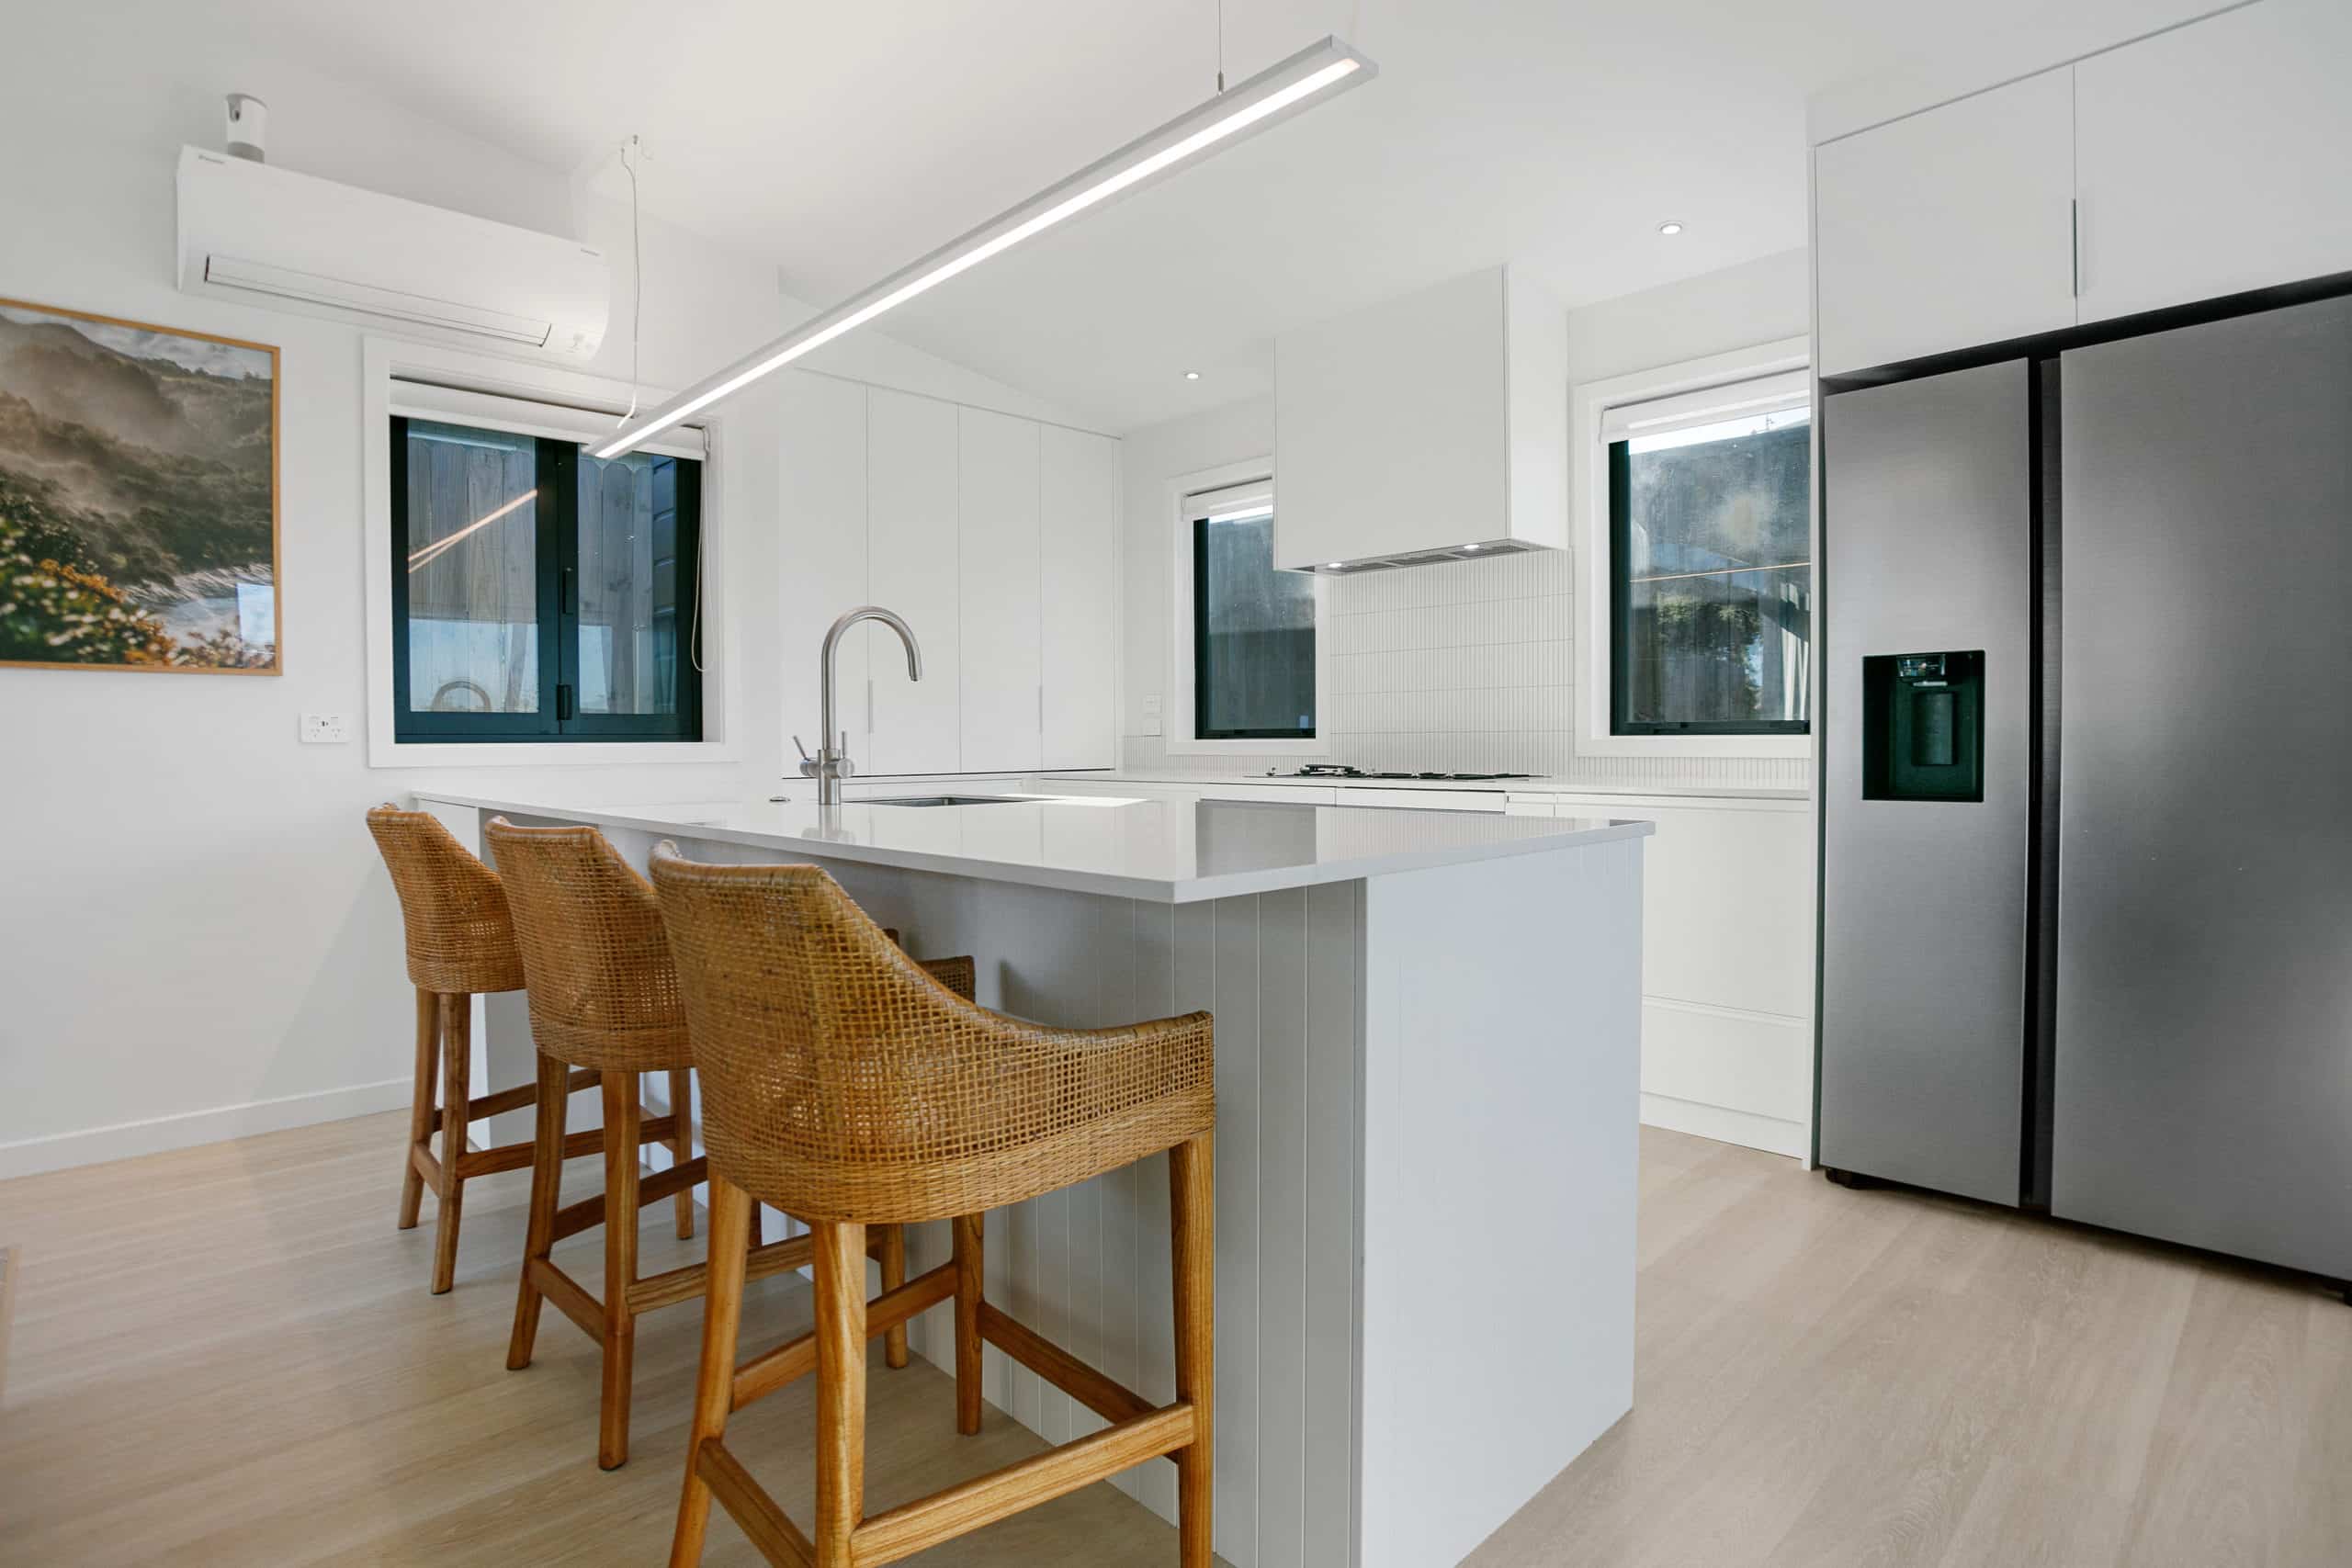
[(1712, 580), (1253, 634), (540, 594)]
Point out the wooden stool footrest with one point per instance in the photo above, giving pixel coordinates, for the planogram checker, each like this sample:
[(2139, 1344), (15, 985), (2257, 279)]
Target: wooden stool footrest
[(515, 1098), (566, 1293), (910, 1527), (772, 1370), (1107, 1399), (573, 1218), (778, 1538), (686, 1284), (515, 1156)]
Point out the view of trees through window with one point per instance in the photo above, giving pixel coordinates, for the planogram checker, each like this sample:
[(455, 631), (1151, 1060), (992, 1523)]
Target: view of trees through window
[(1711, 590), (1253, 632)]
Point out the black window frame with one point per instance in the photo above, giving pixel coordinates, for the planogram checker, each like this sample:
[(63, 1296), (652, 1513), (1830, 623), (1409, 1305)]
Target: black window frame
[(1201, 656), (1621, 620), (558, 720)]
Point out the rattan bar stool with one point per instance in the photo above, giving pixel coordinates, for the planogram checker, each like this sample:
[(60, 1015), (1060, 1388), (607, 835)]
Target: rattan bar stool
[(604, 995), (460, 945), (843, 1085)]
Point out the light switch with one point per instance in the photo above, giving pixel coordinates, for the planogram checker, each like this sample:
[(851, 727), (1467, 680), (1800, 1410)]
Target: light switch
[(1151, 703), (325, 729)]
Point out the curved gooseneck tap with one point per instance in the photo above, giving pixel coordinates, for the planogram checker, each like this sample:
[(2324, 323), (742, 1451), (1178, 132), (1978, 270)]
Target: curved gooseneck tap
[(832, 763)]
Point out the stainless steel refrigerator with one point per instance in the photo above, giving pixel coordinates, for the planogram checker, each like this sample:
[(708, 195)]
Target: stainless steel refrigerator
[(2087, 783)]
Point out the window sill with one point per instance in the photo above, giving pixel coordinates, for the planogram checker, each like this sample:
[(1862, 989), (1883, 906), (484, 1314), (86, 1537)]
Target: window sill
[(546, 753)]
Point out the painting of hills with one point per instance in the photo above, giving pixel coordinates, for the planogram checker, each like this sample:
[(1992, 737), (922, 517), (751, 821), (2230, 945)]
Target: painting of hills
[(138, 496)]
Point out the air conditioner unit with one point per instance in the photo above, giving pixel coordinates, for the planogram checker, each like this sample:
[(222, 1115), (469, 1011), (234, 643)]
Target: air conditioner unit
[(251, 231)]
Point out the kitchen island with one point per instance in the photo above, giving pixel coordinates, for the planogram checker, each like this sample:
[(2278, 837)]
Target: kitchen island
[(1427, 1048)]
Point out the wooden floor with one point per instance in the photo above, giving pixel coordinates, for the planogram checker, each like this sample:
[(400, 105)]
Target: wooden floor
[(228, 1356)]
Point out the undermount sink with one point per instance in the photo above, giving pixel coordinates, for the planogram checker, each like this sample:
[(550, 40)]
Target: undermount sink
[(949, 800)]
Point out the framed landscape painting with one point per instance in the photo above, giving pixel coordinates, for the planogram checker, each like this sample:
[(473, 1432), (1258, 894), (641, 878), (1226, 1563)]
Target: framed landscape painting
[(138, 496)]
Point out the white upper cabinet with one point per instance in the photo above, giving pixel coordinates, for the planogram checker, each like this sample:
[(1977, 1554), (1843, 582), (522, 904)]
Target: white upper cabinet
[(1947, 230), (1079, 504), (997, 500), (912, 566), (1424, 424), (2216, 157)]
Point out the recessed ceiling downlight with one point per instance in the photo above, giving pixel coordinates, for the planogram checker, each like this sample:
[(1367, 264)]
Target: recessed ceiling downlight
[(1671, 226), (1191, 375)]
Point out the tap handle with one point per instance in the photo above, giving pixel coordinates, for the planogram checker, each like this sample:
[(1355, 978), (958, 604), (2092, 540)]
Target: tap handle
[(802, 749), (843, 768)]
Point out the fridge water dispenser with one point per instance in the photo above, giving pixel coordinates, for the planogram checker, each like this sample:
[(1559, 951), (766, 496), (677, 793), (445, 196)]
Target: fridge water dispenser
[(1923, 727)]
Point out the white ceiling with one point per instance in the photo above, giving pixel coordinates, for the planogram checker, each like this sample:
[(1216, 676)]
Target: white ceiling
[(843, 139)]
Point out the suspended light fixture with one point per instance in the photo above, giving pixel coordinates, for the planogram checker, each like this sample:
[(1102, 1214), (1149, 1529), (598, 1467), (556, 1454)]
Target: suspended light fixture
[(1313, 75)]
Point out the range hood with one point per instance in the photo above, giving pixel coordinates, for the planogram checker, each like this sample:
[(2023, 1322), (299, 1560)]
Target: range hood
[(1429, 428)]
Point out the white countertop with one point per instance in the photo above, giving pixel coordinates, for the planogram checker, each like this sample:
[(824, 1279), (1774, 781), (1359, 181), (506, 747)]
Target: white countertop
[(1542, 785), (1175, 851)]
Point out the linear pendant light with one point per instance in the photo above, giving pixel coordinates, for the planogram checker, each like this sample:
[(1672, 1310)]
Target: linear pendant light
[(1314, 73)]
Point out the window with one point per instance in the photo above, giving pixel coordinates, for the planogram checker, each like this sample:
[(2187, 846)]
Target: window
[(1711, 580), (539, 593), (1253, 628)]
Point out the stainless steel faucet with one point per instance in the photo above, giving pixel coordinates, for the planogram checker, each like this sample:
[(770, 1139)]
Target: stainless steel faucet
[(832, 763)]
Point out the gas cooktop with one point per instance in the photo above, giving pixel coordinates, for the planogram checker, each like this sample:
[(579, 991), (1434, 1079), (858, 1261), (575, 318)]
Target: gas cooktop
[(1340, 771)]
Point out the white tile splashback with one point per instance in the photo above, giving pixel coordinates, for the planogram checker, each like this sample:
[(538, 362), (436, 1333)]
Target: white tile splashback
[(1466, 667)]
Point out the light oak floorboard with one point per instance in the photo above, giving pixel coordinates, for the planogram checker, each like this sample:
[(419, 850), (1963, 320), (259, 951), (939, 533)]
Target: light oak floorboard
[(1829, 1378), (224, 1355), (221, 1356)]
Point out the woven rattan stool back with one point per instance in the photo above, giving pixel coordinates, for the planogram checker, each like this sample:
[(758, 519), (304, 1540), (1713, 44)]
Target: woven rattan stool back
[(603, 991), (460, 942), (842, 1082)]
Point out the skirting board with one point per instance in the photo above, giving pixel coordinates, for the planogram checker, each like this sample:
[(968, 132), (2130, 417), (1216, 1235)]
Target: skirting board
[(1726, 1125), (62, 1151)]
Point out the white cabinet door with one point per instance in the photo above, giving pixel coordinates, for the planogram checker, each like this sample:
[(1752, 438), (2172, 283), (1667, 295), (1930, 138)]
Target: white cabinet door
[(822, 553), (1080, 507), (997, 502), (1950, 229), (911, 566), (2212, 158)]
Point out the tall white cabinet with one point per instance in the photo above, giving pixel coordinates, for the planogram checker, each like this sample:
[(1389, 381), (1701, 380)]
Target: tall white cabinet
[(1003, 705), (1077, 577), (995, 536)]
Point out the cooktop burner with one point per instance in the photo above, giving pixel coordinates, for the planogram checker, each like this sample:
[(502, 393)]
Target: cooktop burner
[(1341, 771)]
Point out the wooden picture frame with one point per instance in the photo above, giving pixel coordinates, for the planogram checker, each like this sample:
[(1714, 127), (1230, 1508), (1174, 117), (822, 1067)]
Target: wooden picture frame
[(76, 537)]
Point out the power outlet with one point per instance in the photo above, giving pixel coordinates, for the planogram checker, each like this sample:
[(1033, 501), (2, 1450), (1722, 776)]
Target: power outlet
[(325, 729)]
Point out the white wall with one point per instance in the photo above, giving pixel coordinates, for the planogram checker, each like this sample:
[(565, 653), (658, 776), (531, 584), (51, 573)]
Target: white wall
[(193, 921)]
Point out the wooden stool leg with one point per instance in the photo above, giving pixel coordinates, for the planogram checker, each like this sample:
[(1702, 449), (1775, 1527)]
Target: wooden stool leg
[(840, 1389), (894, 1274), (623, 1115), (1192, 1184), (682, 1143), (547, 1194), (457, 1095), (968, 1323), (730, 1225), (420, 1106)]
